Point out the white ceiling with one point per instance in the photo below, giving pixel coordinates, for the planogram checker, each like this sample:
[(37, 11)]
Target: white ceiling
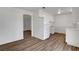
[(51, 10)]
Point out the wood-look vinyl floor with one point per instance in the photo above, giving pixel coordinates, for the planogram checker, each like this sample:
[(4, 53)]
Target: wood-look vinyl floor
[(55, 42)]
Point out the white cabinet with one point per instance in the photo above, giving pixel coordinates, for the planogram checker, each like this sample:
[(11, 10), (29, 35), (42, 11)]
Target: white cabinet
[(72, 36), (41, 25), (40, 29)]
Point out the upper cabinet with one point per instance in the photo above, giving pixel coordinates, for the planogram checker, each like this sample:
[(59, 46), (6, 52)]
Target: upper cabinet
[(75, 13)]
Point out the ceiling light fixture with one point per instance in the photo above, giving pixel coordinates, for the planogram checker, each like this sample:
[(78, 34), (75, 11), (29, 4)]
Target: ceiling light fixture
[(59, 11)]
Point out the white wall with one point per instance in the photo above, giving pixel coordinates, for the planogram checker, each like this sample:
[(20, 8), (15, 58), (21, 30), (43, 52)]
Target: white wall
[(62, 22), (66, 20), (27, 22), (11, 24)]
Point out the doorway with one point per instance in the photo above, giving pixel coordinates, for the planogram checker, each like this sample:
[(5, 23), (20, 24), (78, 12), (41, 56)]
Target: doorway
[(27, 26)]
